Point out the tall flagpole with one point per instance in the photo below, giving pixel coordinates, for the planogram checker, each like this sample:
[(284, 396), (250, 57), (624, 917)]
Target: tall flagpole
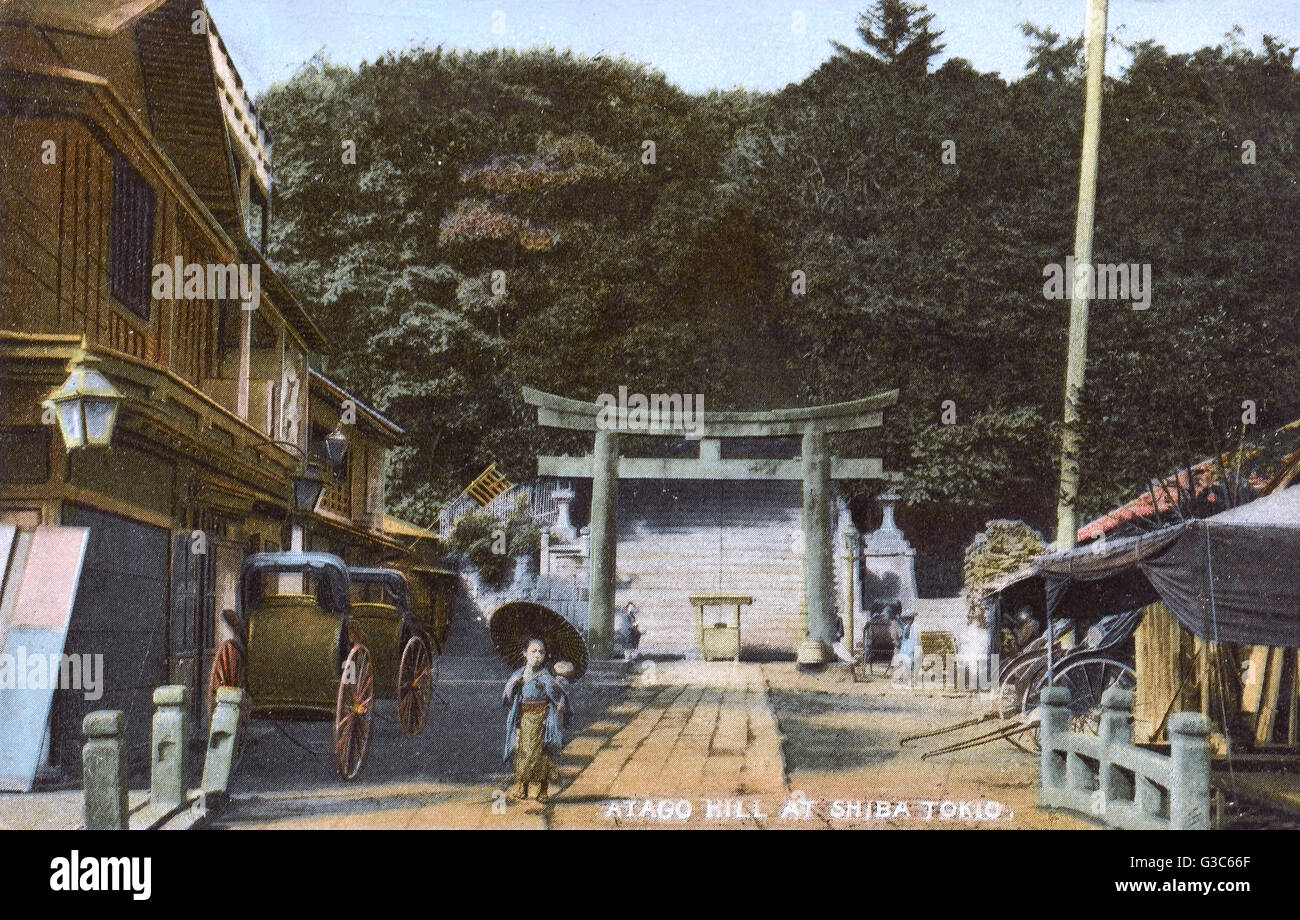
[(1077, 357)]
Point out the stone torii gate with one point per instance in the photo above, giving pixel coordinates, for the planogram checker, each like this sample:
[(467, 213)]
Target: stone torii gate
[(815, 468)]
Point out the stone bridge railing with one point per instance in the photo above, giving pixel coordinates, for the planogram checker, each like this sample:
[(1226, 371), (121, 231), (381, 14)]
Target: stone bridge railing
[(1122, 785), (170, 804)]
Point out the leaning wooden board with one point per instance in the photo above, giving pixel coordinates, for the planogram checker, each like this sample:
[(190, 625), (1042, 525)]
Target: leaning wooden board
[(46, 570)]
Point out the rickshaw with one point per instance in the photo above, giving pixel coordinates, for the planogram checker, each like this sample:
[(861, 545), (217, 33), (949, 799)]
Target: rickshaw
[(399, 645), (878, 646), (295, 652), (431, 596), (1103, 659)]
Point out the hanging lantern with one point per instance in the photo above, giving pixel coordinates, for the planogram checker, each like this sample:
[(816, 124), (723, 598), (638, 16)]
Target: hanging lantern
[(86, 406), (336, 448), (307, 488)]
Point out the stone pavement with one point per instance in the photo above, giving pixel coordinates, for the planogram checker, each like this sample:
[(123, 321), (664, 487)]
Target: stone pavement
[(683, 731), (681, 744), (695, 731)]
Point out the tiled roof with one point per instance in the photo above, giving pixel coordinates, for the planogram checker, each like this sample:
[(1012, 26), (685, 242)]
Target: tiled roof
[(1166, 496)]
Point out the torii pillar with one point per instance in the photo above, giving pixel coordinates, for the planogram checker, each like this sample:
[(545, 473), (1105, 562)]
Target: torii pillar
[(818, 582), (815, 469), (604, 540)]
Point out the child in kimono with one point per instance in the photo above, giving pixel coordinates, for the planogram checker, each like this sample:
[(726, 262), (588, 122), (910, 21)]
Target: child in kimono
[(539, 704)]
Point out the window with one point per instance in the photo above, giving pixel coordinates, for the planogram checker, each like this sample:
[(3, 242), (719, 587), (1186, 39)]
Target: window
[(255, 221), (130, 241)]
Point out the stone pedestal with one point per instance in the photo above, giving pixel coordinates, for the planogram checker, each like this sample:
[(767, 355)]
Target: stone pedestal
[(170, 746), (223, 741), (103, 770), (888, 561)]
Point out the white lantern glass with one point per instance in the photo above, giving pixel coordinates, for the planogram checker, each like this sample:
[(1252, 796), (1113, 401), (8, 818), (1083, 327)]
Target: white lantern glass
[(70, 421), (100, 416)]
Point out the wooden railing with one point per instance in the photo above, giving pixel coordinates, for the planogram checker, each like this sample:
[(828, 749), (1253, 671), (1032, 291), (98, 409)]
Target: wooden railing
[(539, 499)]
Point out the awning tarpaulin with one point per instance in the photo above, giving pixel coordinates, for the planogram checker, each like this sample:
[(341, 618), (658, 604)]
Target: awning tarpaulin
[(1234, 577)]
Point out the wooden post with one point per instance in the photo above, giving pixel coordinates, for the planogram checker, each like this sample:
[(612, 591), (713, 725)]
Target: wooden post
[(1077, 355), (1293, 716), (1207, 674), (1268, 702)]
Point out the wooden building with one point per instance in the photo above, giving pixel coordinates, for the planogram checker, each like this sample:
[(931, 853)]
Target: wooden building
[(129, 143), (1249, 693), (350, 520)]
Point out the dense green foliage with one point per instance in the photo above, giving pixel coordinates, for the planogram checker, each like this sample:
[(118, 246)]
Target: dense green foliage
[(479, 539), (676, 275)]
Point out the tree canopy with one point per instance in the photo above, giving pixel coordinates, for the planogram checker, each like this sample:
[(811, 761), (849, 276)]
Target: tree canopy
[(576, 224)]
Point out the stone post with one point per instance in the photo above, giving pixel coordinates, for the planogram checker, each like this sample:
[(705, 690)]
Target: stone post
[(546, 551), (223, 736), (604, 536), (103, 769), (1053, 714), (1115, 730), (170, 731), (817, 552), (1189, 791)]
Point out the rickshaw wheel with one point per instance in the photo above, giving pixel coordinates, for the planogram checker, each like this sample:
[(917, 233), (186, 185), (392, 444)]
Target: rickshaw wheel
[(227, 671), (354, 712), (1086, 680), (1012, 688), (414, 686)]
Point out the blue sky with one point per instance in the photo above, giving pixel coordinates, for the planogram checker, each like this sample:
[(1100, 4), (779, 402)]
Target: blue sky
[(703, 44)]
